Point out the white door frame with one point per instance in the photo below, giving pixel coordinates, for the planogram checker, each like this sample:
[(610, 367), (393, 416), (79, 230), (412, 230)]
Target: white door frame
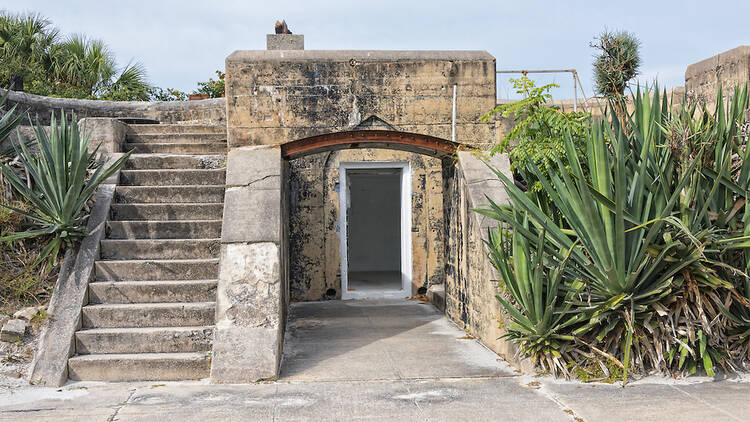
[(406, 270)]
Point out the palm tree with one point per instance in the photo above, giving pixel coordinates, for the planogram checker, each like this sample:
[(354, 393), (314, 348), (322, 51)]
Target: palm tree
[(90, 66), (25, 45)]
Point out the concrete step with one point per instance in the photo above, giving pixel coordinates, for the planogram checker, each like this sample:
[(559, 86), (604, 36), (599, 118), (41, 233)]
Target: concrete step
[(140, 367), (144, 340), (174, 138), (164, 212), (186, 229), (164, 291), (159, 248), (176, 148), (153, 269), (169, 194), (175, 128), (138, 315), (172, 177), (171, 161)]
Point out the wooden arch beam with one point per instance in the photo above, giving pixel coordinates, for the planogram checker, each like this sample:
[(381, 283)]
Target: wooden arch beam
[(412, 142)]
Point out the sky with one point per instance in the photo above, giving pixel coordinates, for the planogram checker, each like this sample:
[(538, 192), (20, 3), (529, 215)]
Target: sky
[(182, 42)]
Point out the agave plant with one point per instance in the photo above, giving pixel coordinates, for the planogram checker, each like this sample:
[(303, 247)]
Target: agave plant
[(9, 120), (616, 218), (61, 185), (540, 309)]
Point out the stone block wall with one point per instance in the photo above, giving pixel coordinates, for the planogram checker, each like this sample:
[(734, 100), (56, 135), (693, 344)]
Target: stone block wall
[(313, 183), (471, 283), (279, 96), (730, 69)]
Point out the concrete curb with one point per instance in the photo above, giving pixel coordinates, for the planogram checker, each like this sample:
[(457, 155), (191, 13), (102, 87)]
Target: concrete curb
[(57, 342)]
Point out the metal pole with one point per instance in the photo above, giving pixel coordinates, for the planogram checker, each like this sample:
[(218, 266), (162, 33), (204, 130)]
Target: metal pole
[(575, 94), (453, 124)]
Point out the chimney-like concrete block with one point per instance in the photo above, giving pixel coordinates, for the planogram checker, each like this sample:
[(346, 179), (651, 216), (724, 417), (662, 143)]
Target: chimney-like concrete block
[(285, 42)]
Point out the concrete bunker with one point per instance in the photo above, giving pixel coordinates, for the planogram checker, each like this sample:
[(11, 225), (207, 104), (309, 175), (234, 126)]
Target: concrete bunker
[(300, 125)]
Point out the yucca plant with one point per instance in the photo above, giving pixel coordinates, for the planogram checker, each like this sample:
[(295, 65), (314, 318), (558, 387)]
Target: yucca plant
[(61, 184), (540, 307), (9, 120), (615, 217)]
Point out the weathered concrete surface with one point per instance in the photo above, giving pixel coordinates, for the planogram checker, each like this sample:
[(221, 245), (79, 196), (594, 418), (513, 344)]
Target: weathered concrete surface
[(285, 42), (520, 398), (471, 281), (251, 294), (279, 96), (105, 133), (730, 69), (40, 108), (57, 342), (315, 260), (380, 339)]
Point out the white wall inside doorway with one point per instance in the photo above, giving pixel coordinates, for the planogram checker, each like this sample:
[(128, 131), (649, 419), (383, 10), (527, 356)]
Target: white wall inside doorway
[(405, 230)]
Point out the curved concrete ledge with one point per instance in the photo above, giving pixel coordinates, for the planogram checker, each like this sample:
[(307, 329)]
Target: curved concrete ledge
[(39, 107), (57, 340)]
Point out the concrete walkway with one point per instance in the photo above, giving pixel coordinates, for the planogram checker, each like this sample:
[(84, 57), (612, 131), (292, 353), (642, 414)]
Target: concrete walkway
[(386, 360)]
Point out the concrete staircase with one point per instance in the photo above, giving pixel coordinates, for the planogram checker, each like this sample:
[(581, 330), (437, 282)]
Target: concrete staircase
[(150, 313)]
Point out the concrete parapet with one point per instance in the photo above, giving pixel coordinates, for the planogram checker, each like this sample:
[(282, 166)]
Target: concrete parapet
[(251, 294), (57, 342), (106, 133)]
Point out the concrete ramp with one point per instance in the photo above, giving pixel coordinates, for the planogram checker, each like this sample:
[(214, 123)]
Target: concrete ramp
[(381, 340)]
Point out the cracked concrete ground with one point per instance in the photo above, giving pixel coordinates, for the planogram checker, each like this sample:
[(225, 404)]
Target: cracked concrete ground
[(386, 360)]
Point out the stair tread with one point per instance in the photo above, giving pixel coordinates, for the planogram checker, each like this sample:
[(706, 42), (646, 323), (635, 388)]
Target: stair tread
[(180, 260), (153, 282), (187, 239), (135, 330), (142, 356), (152, 305)]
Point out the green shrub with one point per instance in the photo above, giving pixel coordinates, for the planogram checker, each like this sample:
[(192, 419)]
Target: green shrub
[(538, 134)]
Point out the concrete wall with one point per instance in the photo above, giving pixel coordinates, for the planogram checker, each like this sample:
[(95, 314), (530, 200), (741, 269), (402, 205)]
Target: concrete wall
[(471, 282), (274, 97), (730, 69), (212, 111), (374, 222), (314, 214)]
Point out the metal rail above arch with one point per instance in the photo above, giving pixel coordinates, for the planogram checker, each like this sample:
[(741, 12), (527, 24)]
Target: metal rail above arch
[(412, 142)]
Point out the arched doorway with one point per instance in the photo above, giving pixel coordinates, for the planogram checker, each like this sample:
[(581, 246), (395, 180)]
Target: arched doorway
[(365, 214)]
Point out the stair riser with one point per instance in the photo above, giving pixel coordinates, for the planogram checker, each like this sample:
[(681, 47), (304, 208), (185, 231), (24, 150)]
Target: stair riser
[(177, 138), (163, 229), (163, 212), (151, 292), (165, 340), (196, 148), (155, 162), (183, 315), (172, 177), (133, 370), (159, 249), (168, 194), (169, 129), (156, 270)]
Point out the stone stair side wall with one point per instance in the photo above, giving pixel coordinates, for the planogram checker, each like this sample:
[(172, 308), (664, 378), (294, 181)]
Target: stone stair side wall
[(57, 339), (252, 293)]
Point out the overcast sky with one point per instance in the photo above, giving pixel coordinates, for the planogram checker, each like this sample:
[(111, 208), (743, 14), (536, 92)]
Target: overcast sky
[(181, 42)]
